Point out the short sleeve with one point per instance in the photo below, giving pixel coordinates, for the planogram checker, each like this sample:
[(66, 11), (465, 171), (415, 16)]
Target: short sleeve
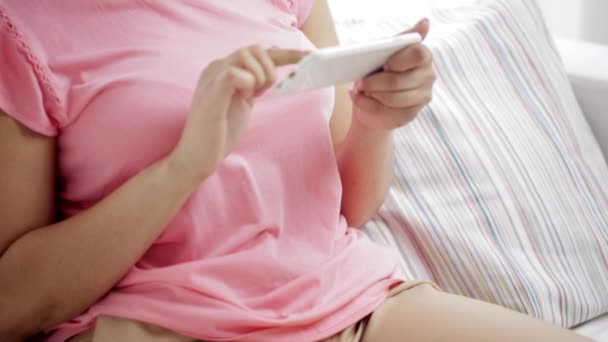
[(25, 94), (302, 9)]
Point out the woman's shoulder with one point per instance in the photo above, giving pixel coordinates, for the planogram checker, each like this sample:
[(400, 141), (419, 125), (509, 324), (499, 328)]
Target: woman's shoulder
[(27, 90)]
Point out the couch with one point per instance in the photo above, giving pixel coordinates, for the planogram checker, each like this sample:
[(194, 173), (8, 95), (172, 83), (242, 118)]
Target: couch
[(585, 73)]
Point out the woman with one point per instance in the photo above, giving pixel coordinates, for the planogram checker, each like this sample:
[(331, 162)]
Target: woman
[(145, 200)]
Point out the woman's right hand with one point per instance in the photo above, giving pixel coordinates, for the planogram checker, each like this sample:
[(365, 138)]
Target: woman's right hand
[(222, 104)]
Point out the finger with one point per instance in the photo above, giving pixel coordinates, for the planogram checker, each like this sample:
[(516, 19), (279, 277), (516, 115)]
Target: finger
[(409, 58), (389, 117), (242, 80), (422, 27), (245, 59), (393, 81), (267, 64), (285, 57), (403, 99)]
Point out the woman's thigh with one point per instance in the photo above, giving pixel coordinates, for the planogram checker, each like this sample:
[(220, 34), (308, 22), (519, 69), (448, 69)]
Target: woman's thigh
[(113, 329), (425, 314)]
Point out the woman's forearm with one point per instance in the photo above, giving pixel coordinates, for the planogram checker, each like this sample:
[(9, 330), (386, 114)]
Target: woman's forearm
[(53, 273), (385, 100), (366, 160)]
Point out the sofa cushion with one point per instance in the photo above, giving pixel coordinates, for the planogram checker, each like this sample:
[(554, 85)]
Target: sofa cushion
[(501, 191), (597, 329)]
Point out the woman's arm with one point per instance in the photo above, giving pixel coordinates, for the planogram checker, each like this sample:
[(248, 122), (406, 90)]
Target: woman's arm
[(51, 272), (361, 127), (365, 160)]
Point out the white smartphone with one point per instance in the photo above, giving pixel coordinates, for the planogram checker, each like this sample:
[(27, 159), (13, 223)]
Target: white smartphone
[(341, 64)]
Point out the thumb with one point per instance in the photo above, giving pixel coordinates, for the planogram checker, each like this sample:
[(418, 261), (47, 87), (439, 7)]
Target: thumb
[(422, 28)]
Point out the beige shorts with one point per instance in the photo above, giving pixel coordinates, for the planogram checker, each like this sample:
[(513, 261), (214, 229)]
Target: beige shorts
[(110, 329)]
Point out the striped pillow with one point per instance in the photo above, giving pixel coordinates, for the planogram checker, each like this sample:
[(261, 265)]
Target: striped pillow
[(501, 191)]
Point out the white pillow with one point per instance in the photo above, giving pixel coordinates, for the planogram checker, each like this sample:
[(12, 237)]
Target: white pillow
[(501, 191)]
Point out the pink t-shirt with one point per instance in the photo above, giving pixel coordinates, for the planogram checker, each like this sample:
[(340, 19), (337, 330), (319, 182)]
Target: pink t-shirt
[(260, 250)]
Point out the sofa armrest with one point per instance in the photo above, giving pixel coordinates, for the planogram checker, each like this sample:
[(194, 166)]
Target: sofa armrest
[(587, 67)]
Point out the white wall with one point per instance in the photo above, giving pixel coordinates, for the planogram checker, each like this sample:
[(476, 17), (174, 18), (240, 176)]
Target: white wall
[(579, 19), (563, 16), (594, 24), (375, 9)]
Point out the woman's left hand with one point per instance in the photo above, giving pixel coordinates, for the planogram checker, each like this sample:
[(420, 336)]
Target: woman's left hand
[(393, 97)]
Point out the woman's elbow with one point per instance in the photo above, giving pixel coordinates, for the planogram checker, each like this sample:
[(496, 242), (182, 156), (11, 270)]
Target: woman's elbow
[(358, 211), (357, 217), (24, 317)]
